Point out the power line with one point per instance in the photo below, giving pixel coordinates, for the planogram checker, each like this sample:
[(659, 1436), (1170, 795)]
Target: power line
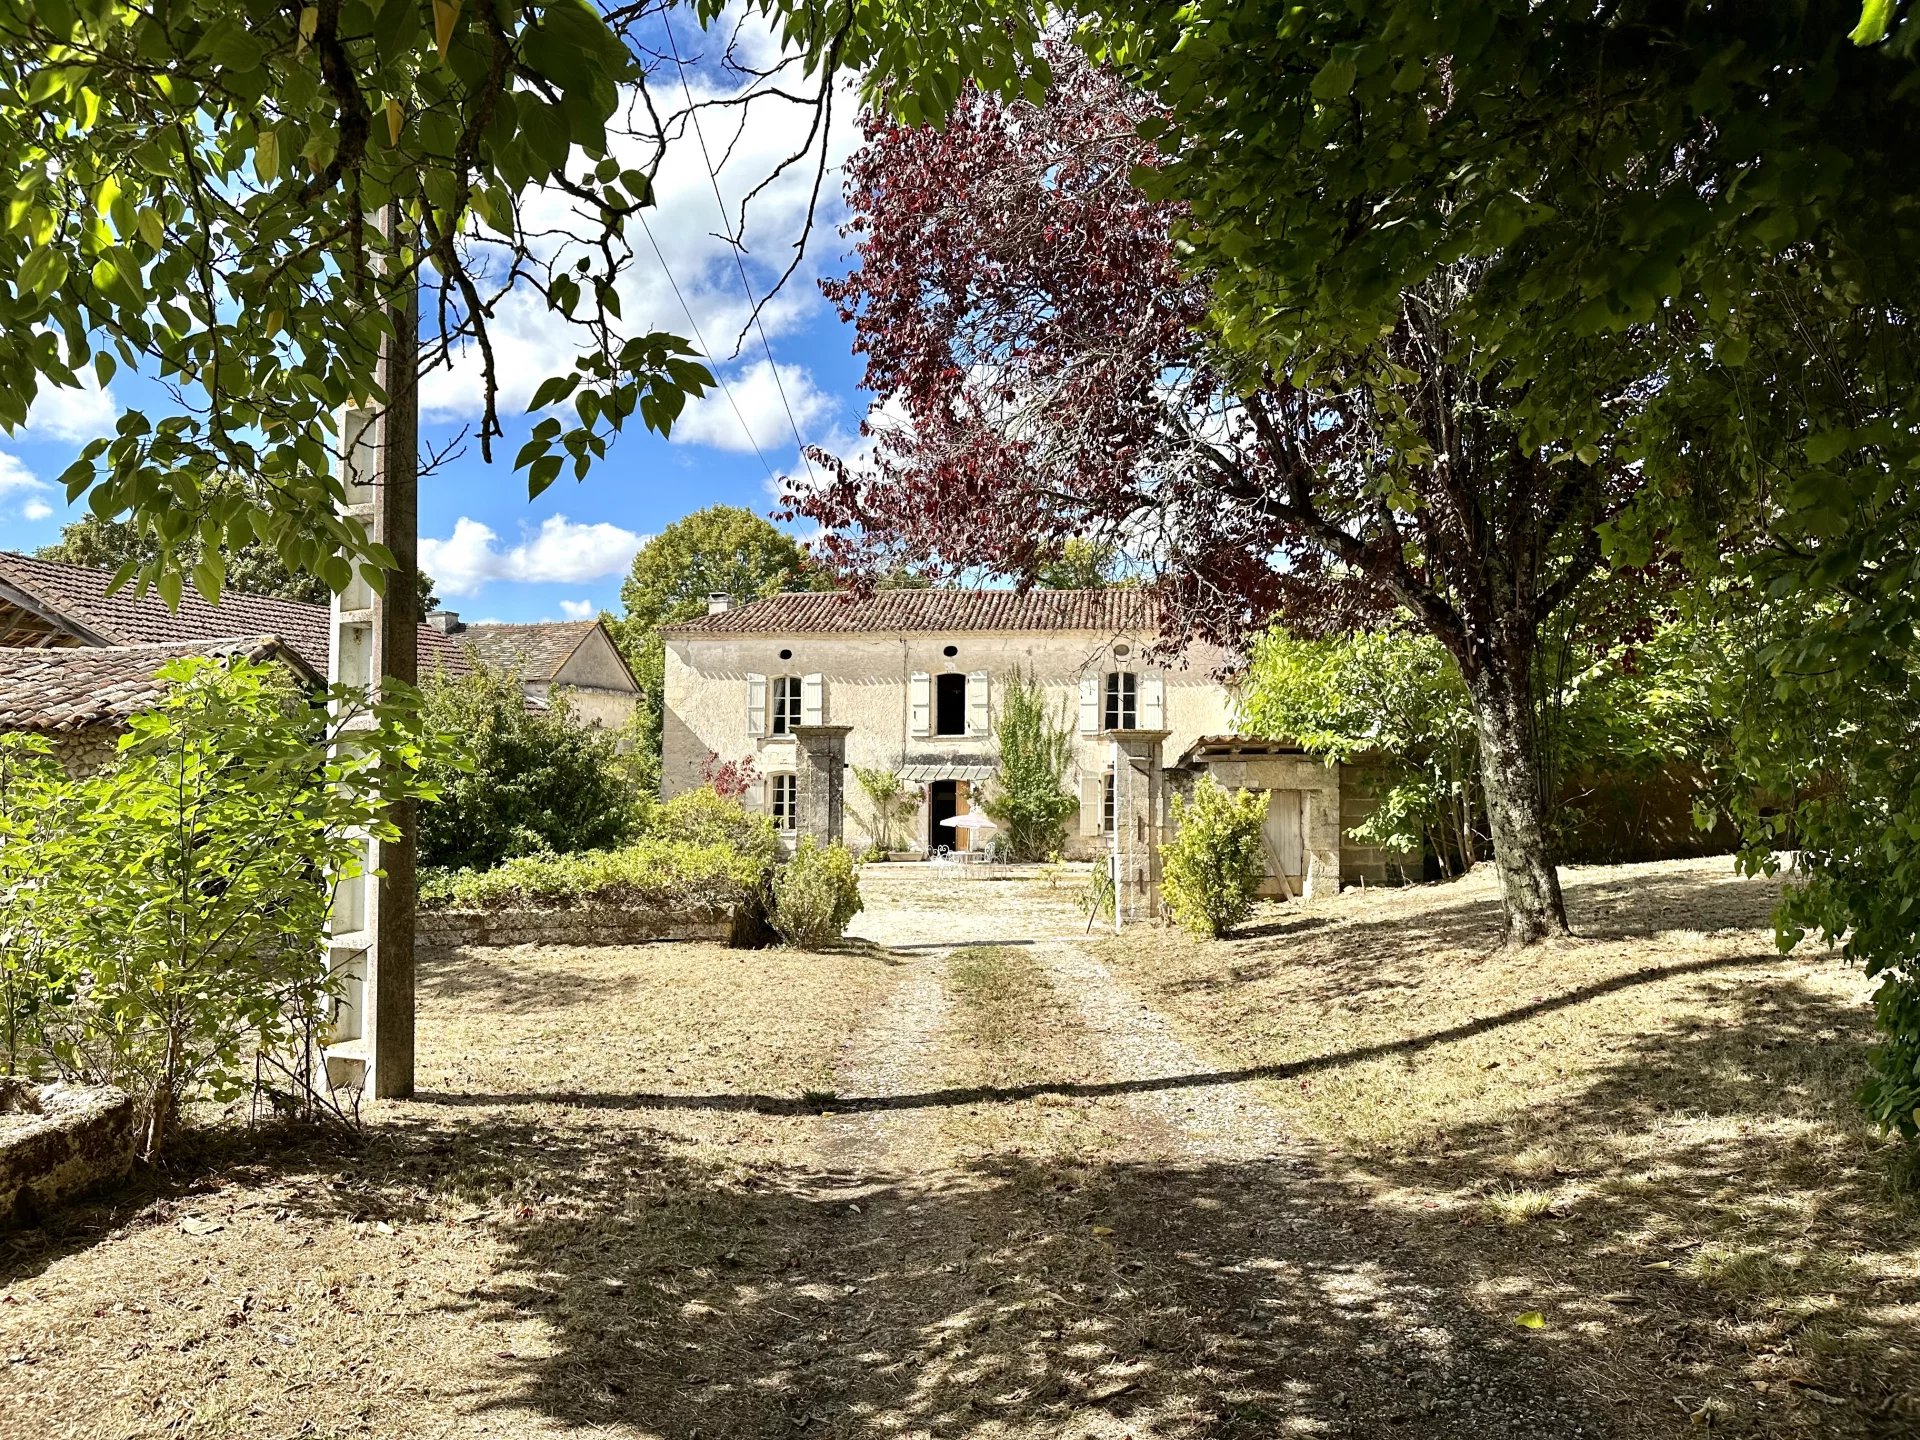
[(746, 286), (701, 341)]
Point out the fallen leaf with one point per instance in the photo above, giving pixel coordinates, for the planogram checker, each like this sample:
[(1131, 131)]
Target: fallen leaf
[(1532, 1319), (194, 1225)]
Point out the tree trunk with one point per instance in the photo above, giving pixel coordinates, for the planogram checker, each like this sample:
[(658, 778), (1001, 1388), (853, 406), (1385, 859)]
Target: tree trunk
[(1516, 808)]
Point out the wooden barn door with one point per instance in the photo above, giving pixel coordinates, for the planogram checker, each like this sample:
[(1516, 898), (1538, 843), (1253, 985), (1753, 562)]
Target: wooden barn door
[(1284, 837)]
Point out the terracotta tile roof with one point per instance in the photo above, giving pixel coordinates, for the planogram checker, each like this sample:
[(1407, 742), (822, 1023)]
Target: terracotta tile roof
[(79, 594), (67, 690), (1108, 612), (537, 651)]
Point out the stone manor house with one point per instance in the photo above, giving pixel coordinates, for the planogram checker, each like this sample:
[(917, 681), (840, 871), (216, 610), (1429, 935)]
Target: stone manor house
[(908, 681)]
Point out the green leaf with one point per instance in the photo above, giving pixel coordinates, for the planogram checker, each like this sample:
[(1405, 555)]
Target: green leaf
[(1335, 80), (1875, 18), (1531, 1320)]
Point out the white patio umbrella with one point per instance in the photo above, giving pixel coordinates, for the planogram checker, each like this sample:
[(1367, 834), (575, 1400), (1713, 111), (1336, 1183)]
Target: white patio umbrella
[(970, 822)]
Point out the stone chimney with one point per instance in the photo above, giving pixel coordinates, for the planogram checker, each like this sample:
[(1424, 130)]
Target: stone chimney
[(447, 622), (719, 602)]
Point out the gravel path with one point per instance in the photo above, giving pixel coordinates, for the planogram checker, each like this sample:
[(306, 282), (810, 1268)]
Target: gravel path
[(1241, 1290)]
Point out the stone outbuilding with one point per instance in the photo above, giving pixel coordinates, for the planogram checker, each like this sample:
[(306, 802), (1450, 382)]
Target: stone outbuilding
[(48, 605), (579, 658), (82, 699)]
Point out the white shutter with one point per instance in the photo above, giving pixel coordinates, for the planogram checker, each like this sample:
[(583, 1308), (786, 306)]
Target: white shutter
[(920, 704), (1093, 797), (756, 706), (979, 712), (1153, 703), (1089, 704), (813, 700)]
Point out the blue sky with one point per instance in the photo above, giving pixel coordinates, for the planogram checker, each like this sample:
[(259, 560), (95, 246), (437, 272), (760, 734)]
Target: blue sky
[(495, 554)]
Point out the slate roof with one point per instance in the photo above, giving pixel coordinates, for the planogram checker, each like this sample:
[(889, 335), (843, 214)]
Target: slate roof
[(835, 612), (537, 651), (70, 689), (79, 594)]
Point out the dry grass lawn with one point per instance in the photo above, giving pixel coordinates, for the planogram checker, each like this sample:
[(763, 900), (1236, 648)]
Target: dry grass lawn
[(483, 1261), (681, 1191), (1647, 1133)]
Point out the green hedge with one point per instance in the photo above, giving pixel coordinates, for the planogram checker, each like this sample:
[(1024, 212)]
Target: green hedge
[(651, 873)]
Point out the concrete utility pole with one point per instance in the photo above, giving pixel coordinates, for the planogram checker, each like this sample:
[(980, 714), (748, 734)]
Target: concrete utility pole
[(376, 642)]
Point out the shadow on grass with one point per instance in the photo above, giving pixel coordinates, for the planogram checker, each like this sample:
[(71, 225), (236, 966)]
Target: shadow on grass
[(1083, 1089), (1713, 1195)]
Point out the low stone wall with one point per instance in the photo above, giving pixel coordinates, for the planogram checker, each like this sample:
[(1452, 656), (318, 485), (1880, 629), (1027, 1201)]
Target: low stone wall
[(57, 1141), (583, 925)]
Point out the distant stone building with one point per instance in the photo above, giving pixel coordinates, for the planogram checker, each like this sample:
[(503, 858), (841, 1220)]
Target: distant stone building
[(48, 605), (577, 657), (908, 681)]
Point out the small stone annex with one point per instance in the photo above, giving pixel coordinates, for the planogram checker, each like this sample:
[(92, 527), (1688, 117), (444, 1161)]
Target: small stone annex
[(809, 685), (82, 699)]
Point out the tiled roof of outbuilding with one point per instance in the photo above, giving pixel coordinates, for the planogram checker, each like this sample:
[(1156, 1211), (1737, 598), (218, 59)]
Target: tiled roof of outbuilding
[(66, 690), (79, 594), (537, 650), (1107, 612)]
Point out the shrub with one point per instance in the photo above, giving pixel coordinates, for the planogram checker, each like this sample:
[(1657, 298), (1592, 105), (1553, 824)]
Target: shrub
[(180, 895), (703, 817), (1213, 865), (1030, 800), (519, 781), (816, 894), (891, 802), (651, 873)]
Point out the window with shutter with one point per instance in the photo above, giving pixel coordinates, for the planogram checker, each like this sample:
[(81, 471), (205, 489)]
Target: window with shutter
[(949, 704), (1122, 707), (979, 710), (786, 704), (813, 699), (783, 794), (756, 705), (1089, 704), (920, 704), (1092, 790), (1153, 703)]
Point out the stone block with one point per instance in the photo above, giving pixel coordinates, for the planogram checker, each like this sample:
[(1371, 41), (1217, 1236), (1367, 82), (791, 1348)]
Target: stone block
[(57, 1142)]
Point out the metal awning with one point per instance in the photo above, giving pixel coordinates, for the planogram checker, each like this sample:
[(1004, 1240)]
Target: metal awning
[(920, 772)]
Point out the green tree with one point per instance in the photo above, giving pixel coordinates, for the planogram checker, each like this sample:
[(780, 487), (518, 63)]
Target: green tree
[(252, 569), (515, 780), (190, 192), (1391, 696), (1082, 565), (721, 550), (189, 884), (1029, 799), (1212, 867)]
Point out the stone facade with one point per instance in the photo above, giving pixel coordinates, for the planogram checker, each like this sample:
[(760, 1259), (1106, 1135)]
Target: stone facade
[(911, 683), (720, 690), (57, 1142)]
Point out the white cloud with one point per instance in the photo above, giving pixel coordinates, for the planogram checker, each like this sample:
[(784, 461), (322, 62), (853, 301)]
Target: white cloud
[(74, 414), (747, 143), (560, 552), (17, 479), (579, 609), (763, 404), (14, 475)]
